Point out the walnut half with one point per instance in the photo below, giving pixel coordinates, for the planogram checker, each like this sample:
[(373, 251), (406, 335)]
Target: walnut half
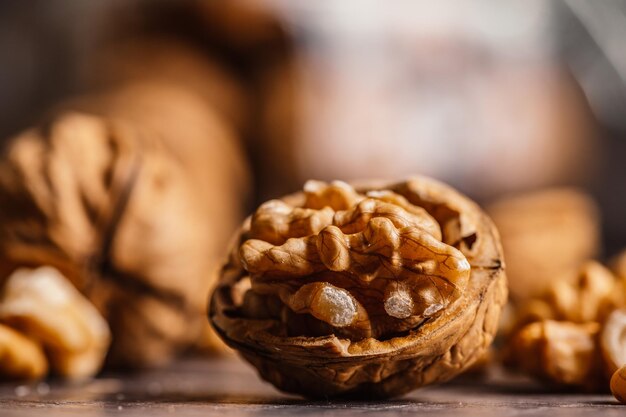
[(372, 290)]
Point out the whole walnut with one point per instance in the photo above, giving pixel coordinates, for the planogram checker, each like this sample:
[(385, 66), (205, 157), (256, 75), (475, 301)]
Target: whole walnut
[(132, 207), (367, 291)]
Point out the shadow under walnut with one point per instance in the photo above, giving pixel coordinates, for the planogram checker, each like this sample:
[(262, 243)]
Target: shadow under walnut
[(347, 325)]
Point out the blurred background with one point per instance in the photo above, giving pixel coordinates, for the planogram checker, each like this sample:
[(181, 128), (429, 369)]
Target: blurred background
[(493, 97)]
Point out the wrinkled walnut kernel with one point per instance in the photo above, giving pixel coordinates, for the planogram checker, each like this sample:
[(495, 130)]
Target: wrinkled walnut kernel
[(588, 297), (561, 352), (381, 251)]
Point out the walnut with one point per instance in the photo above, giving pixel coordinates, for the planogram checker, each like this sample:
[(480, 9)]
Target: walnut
[(618, 384), (545, 234), (20, 356), (133, 208), (373, 290), (583, 314), (560, 352), (46, 307), (586, 296)]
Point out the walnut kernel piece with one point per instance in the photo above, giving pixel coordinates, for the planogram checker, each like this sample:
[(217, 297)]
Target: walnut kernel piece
[(20, 357), (44, 305), (373, 290), (557, 351), (587, 295)]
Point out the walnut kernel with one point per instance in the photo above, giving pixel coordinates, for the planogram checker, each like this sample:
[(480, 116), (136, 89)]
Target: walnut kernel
[(20, 356), (43, 305), (557, 351)]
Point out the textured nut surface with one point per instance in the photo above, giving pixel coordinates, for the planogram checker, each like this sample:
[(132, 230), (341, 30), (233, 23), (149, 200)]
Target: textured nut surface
[(46, 307), (545, 234), (618, 384), (557, 351), (20, 356), (372, 290)]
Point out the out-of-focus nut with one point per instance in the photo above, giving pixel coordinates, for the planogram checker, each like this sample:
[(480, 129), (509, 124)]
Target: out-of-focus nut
[(588, 297), (20, 357), (545, 234), (613, 341), (44, 305), (560, 352), (618, 384)]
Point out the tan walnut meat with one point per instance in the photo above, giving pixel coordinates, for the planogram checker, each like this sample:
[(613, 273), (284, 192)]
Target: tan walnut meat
[(587, 295), (44, 306), (373, 290), (575, 334), (20, 356), (558, 351)]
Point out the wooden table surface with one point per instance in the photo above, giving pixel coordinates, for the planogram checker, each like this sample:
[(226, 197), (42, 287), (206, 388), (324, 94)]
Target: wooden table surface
[(228, 387)]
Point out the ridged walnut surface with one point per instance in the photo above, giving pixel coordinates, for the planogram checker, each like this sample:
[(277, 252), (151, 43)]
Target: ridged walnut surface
[(367, 292)]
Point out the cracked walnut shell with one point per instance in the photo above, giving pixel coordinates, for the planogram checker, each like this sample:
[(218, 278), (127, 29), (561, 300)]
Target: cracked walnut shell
[(366, 291)]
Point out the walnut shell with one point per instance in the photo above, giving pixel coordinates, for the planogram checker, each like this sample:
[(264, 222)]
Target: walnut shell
[(372, 291)]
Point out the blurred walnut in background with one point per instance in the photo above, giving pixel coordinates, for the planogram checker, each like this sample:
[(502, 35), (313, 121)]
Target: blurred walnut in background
[(546, 235), (133, 212)]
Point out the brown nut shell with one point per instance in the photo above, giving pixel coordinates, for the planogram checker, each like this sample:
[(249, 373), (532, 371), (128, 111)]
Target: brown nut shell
[(317, 315)]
